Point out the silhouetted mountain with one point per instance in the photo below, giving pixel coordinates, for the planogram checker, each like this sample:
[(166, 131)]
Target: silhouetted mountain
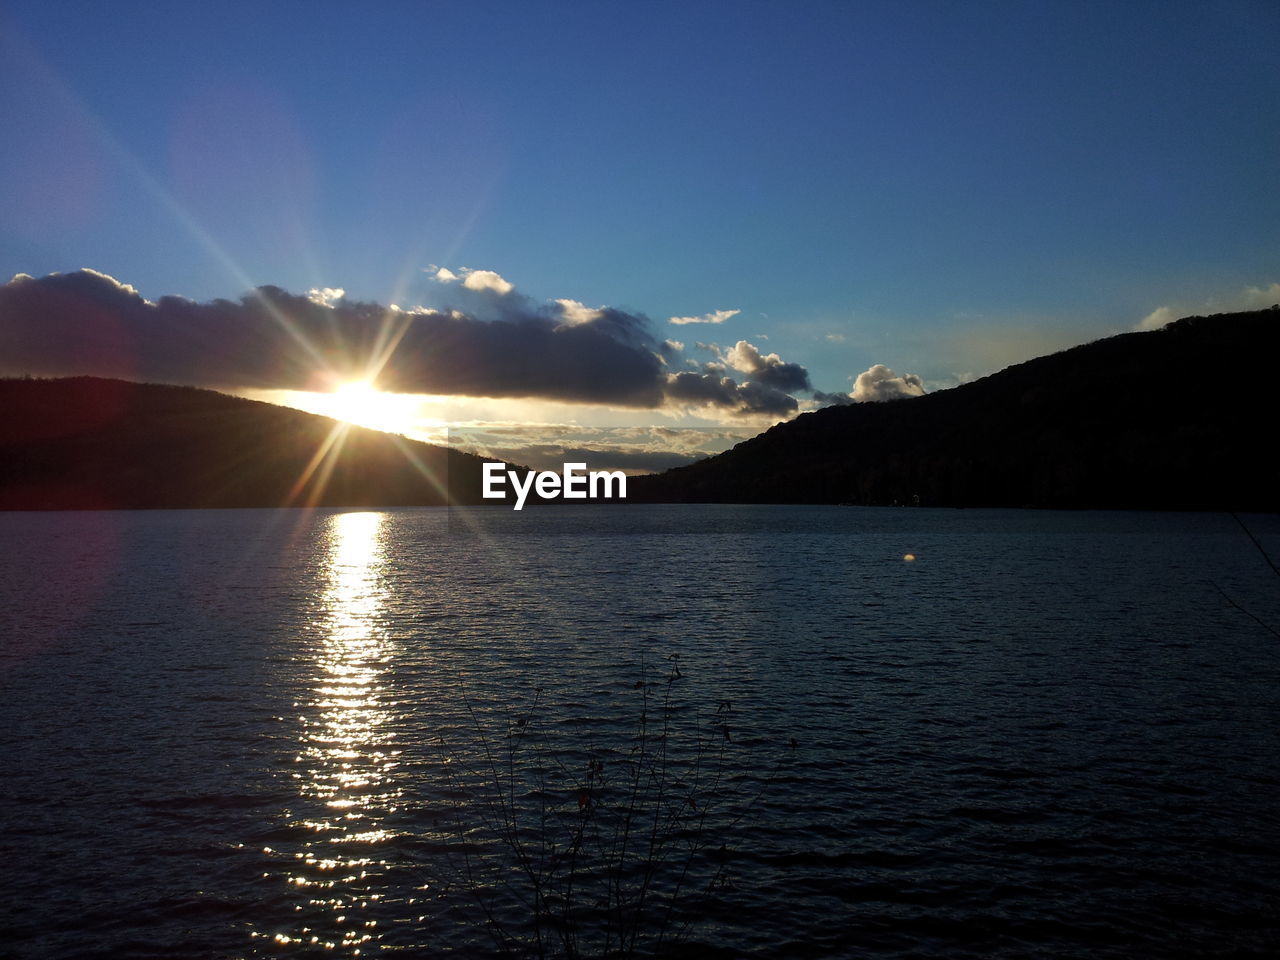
[(1185, 417), (85, 442)]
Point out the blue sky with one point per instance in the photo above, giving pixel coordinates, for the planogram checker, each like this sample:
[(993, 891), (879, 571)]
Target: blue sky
[(943, 188)]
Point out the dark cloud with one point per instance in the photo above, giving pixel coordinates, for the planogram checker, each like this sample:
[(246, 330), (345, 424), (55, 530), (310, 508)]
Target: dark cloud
[(762, 398), (766, 368), (711, 389), (492, 342), (832, 399)]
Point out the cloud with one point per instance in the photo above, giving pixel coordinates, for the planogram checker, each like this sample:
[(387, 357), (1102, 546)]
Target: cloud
[(326, 296), (766, 368), (832, 399), (1156, 319), (471, 279), (881, 383), (632, 449), (482, 294), (485, 280), (574, 312), (708, 389), (552, 456), (716, 316), (489, 341), (1260, 298), (1250, 298)]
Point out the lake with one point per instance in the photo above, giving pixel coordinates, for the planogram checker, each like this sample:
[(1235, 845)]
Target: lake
[(722, 730)]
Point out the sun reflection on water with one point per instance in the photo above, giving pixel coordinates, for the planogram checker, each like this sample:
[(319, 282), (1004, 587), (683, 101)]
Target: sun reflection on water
[(347, 756)]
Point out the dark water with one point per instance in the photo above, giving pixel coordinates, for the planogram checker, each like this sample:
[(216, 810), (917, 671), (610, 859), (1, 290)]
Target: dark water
[(273, 733)]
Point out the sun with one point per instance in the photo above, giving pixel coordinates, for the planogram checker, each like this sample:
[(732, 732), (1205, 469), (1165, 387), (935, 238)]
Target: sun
[(358, 401), (361, 403)]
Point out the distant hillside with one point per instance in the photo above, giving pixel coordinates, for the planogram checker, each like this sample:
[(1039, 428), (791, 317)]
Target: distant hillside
[(1185, 417), (89, 443)]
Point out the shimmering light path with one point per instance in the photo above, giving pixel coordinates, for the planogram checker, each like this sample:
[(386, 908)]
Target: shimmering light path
[(347, 756)]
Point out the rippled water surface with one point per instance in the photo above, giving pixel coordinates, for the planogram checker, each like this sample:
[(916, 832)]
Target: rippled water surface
[(840, 731)]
